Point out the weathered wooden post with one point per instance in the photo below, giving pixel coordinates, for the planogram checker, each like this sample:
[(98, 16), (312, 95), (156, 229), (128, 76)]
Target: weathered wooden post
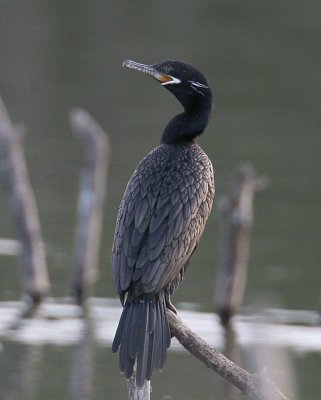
[(135, 392), (90, 201), (237, 211), (22, 202)]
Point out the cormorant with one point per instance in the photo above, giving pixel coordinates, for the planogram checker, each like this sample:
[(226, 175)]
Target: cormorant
[(160, 221)]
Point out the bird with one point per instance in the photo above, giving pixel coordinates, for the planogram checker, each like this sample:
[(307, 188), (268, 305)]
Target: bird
[(160, 220)]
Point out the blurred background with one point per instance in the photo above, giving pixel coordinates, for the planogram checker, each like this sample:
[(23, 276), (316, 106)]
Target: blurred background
[(263, 62)]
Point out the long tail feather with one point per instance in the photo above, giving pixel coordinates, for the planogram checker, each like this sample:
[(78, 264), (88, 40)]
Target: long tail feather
[(142, 335)]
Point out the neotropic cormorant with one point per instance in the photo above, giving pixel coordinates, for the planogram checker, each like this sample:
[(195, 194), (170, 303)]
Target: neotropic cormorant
[(160, 221)]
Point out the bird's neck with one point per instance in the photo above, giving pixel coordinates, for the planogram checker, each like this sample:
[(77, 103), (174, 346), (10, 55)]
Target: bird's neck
[(185, 127)]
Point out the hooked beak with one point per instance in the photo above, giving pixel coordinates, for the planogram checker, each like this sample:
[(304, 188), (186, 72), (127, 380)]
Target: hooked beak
[(149, 70)]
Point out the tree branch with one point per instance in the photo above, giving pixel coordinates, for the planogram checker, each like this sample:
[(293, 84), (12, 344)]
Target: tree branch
[(255, 387)]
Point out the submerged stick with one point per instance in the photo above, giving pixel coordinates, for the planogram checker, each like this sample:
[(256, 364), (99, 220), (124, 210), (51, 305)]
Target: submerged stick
[(255, 387), (90, 201), (237, 210), (22, 202)]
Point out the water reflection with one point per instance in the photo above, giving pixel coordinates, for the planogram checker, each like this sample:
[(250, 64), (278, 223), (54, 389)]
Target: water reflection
[(82, 365), (20, 376), (231, 350), (62, 353)]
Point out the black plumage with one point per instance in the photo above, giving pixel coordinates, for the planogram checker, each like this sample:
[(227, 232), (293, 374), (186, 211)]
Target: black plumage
[(160, 221)]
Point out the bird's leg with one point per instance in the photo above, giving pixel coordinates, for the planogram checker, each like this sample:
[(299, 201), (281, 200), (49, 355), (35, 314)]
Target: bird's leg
[(169, 304)]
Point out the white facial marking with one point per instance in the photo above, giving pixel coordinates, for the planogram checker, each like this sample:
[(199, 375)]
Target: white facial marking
[(197, 90), (198, 84), (173, 81)]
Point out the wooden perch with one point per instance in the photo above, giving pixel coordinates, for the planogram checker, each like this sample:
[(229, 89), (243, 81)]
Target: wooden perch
[(22, 202), (135, 392), (237, 210), (90, 201), (255, 387)]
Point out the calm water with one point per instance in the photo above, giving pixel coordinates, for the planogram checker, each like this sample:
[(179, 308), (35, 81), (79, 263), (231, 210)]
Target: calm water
[(263, 61)]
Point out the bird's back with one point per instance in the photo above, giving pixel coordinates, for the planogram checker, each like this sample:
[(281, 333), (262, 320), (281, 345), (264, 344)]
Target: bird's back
[(161, 218)]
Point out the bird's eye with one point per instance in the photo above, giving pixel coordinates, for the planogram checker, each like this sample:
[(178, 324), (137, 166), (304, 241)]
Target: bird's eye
[(167, 69)]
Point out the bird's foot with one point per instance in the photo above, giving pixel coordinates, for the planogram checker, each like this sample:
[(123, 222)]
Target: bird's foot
[(169, 305)]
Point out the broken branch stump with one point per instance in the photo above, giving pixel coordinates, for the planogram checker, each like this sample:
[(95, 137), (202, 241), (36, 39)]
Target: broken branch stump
[(90, 201), (237, 212), (22, 202)]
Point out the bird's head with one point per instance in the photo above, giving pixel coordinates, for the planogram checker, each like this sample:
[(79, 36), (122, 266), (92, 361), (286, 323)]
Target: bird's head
[(191, 89), (184, 81)]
